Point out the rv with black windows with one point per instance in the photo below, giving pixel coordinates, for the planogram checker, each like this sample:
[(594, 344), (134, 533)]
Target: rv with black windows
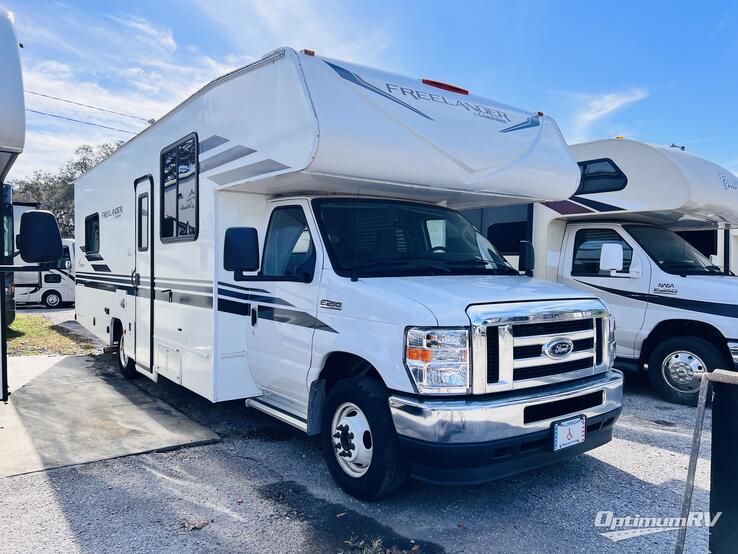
[(648, 230), (286, 235)]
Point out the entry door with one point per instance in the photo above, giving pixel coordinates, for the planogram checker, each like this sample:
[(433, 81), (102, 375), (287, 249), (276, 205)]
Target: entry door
[(284, 306), (625, 292), (143, 276)]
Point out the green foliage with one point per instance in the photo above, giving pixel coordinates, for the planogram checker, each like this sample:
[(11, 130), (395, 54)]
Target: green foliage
[(54, 190)]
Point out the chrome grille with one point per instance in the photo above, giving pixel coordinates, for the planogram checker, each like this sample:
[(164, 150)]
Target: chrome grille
[(518, 350)]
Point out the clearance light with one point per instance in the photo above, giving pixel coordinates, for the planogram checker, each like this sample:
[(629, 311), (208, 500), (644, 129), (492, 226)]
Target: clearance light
[(445, 86), (308, 52)]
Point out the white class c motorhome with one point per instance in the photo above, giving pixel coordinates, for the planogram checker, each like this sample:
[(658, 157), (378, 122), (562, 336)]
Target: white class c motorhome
[(53, 287), (621, 236), (286, 236)]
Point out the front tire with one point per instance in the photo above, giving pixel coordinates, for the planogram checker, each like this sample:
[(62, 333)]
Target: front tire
[(52, 299), (675, 365), (359, 440), (126, 364)]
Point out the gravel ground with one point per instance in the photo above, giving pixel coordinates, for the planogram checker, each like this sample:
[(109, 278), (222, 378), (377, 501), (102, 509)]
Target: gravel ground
[(264, 488)]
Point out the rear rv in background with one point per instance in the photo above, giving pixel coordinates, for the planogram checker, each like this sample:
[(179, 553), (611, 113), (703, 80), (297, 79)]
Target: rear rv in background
[(622, 236)]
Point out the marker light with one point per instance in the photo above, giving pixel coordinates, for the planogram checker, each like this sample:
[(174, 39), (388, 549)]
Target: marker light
[(445, 86), (308, 52)]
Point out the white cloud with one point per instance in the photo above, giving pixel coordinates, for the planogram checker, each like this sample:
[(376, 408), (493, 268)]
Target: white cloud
[(259, 26), (595, 108), (132, 65)]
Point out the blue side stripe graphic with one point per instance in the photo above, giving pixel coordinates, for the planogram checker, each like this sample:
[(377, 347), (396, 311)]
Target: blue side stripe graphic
[(532, 121), (357, 80)]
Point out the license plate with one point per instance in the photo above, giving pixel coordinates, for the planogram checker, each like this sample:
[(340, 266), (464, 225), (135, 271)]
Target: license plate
[(570, 432)]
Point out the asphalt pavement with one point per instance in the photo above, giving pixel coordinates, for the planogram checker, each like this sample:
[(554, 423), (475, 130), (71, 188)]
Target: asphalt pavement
[(264, 488)]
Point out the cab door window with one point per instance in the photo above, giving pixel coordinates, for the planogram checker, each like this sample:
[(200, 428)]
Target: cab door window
[(588, 247), (289, 252)]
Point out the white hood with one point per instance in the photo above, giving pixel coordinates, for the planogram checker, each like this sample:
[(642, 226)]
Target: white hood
[(447, 297)]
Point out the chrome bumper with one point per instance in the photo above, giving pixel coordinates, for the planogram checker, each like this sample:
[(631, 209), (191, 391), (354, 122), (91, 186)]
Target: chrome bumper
[(497, 416), (733, 347)]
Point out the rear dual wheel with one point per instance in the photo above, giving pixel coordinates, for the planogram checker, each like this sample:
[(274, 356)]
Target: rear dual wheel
[(126, 364)]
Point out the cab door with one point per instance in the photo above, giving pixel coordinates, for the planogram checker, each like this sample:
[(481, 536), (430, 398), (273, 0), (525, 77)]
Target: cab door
[(284, 305), (625, 292)]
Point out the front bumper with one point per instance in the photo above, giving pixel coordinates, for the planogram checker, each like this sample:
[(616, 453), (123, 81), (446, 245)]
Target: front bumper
[(733, 347), (480, 439)]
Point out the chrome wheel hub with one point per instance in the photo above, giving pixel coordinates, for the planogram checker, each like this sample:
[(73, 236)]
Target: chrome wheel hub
[(681, 369), (352, 439), (53, 300)]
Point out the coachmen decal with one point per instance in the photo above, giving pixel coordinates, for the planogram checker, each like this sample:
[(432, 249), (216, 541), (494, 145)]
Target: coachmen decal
[(115, 212), (478, 110)]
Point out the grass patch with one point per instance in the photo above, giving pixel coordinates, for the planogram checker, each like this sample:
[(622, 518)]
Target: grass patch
[(33, 335)]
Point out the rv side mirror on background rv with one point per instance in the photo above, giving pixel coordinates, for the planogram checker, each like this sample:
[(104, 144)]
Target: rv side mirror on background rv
[(611, 257), (241, 250), (39, 240), (527, 259)]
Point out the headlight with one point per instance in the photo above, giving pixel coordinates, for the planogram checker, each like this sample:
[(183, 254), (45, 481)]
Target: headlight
[(438, 359)]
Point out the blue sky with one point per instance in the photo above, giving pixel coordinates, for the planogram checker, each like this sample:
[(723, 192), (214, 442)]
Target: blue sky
[(656, 71)]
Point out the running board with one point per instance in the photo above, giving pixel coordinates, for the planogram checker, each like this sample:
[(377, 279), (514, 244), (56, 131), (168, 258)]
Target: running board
[(277, 413)]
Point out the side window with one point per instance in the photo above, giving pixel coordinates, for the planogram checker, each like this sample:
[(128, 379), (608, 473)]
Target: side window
[(289, 252), (65, 259), (92, 234), (52, 278), (600, 176), (179, 191), (142, 214), (587, 247)]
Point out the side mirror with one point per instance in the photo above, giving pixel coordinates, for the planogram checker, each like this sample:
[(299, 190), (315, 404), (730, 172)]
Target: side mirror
[(39, 240), (611, 257), (67, 264), (241, 250), (527, 259)]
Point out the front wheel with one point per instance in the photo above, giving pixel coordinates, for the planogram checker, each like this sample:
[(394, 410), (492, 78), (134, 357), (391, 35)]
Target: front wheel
[(676, 364), (126, 364), (359, 440)]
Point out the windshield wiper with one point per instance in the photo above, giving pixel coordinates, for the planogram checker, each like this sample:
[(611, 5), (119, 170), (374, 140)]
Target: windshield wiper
[(411, 263), (479, 263)]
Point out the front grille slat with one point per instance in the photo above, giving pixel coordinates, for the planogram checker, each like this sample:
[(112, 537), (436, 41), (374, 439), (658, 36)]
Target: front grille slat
[(535, 372), (552, 327)]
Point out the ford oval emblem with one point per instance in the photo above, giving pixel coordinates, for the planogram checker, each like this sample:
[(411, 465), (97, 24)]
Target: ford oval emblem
[(558, 349)]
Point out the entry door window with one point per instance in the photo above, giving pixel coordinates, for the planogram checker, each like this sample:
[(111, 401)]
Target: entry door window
[(289, 252), (143, 222), (588, 247)]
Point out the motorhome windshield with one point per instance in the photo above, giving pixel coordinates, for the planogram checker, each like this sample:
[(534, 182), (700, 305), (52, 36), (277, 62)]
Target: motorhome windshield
[(671, 252), (382, 238)]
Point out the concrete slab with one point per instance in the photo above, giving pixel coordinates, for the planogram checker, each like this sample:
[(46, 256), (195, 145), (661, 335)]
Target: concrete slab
[(72, 409)]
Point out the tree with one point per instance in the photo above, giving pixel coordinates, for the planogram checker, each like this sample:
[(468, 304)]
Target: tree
[(54, 190)]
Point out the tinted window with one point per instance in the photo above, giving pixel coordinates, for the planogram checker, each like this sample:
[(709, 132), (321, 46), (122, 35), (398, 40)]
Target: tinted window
[(52, 278), (65, 259), (179, 191), (587, 248), (671, 252), (288, 250), (376, 238), (92, 234), (143, 222), (600, 176)]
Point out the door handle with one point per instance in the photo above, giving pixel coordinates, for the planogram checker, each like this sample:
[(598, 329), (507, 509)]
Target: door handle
[(135, 278), (254, 314), (169, 292)]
